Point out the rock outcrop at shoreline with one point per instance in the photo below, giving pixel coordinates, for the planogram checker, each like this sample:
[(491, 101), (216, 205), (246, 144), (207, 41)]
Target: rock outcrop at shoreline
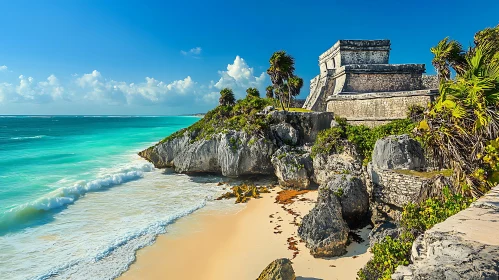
[(324, 229), (352, 195), (231, 154), (236, 153), (280, 269), (465, 246)]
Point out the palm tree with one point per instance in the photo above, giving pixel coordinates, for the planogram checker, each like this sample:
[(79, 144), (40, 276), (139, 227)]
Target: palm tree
[(226, 97), (447, 54), (464, 119), (269, 92), (282, 67), (295, 84), (252, 92)]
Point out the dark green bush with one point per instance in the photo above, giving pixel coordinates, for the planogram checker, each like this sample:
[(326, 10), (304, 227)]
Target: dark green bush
[(328, 140), (423, 216), (361, 136), (242, 117)]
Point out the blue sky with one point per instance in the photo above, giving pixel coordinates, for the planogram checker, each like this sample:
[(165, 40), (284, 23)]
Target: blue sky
[(172, 57)]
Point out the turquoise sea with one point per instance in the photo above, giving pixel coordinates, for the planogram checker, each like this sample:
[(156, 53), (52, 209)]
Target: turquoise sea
[(76, 201)]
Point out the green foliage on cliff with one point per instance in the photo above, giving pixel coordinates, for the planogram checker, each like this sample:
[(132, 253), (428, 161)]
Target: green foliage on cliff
[(416, 218), (464, 119), (243, 116), (363, 137), (387, 256), (423, 216)]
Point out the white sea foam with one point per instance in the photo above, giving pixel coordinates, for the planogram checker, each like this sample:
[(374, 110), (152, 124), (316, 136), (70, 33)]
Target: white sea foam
[(115, 259), (67, 195), (97, 238), (28, 137)]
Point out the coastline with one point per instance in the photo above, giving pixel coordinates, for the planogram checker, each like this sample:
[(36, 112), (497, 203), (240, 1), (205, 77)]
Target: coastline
[(222, 244)]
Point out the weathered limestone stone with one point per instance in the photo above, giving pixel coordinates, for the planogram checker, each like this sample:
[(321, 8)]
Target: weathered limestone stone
[(353, 198), (308, 124), (465, 246), (293, 167), (398, 152), (268, 109), (280, 269), (232, 154), (380, 231), (327, 167), (323, 229), (285, 134), (237, 153)]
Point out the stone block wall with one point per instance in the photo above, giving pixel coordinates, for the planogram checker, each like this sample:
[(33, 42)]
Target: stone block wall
[(390, 192), (430, 81), (370, 82), (364, 57), (377, 108)]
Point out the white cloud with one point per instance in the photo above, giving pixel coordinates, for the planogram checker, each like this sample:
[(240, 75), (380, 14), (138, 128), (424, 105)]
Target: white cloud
[(192, 52), (29, 91), (3, 68), (239, 77), (97, 88)]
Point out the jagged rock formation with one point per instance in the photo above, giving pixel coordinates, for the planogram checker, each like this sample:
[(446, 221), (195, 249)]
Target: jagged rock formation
[(280, 269), (324, 229), (398, 152), (353, 198), (465, 246), (237, 153), (293, 167), (328, 166), (232, 154)]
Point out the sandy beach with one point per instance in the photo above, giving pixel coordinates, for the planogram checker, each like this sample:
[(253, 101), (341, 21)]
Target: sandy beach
[(213, 244)]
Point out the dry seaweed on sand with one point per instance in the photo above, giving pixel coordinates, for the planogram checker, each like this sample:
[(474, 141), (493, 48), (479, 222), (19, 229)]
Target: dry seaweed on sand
[(243, 193)]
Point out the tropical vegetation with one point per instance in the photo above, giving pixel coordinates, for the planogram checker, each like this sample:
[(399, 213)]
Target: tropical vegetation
[(363, 137), (416, 218), (241, 115), (459, 126), (285, 84)]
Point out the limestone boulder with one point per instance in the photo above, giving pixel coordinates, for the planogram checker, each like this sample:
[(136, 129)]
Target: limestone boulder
[(280, 269), (352, 195), (398, 152), (327, 166), (285, 134), (380, 231), (323, 228), (293, 167)]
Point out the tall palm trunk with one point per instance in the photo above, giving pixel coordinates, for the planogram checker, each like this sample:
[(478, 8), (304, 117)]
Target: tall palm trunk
[(289, 93), (279, 95)]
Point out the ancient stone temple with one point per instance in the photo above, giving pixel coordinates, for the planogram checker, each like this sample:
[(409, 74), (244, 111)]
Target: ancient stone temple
[(357, 83)]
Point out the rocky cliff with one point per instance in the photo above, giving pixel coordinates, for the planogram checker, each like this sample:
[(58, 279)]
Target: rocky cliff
[(235, 153)]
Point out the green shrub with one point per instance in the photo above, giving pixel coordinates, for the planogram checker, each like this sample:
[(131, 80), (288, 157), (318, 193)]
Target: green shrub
[(387, 256), (242, 117), (416, 218), (361, 136), (328, 141), (423, 216)]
